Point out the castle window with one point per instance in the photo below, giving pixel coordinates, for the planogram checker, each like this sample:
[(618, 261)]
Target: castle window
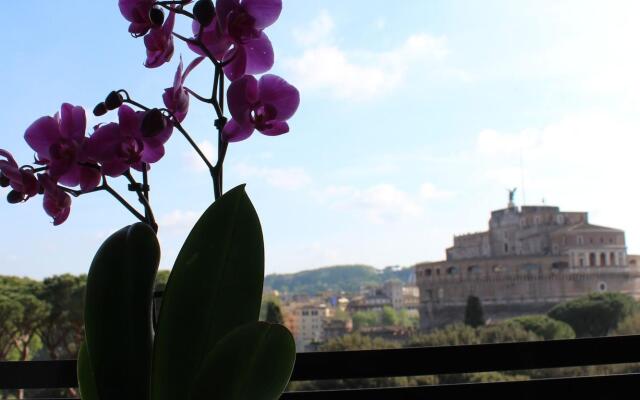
[(506, 247), (603, 259), (610, 240), (602, 286), (592, 259), (536, 220), (580, 240), (471, 269), (612, 258), (428, 271), (560, 219), (452, 270), (601, 240)]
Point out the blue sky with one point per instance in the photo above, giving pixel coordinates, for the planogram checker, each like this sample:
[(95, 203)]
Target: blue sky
[(415, 118)]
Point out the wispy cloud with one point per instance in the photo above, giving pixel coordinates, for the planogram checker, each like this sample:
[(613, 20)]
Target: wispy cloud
[(284, 178), (193, 162), (363, 74), (178, 220), (377, 204)]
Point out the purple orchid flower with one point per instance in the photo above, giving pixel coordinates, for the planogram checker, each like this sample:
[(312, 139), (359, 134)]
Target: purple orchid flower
[(119, 146), (137, 12), (176, 98), (159, 43), (264, 105), (22, 181), (56, 203), (59, 142), (238, 39)]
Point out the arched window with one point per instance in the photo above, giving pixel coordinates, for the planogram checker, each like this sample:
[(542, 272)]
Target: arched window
[(612, 258), (603, 259), (592, 259)]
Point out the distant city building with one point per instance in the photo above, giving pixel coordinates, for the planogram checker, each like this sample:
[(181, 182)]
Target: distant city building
[(392, 294), (530, 259), (306, 323)]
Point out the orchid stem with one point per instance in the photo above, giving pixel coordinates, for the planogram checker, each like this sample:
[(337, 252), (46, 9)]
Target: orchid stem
[(166, 6), (143, 196)]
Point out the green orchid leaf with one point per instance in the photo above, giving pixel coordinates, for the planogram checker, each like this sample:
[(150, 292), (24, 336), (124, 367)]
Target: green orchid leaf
[(254, 362), (86, 380), (215, 286), (118, 312)]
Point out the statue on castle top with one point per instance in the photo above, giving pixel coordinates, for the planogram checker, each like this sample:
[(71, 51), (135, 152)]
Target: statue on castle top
[(512, 193)]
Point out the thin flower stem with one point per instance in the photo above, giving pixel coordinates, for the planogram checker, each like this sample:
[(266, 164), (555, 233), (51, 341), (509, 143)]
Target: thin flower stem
[(135, 103), (193, 144), (222, 143), (143, 196), (179, 2), (201, 45), (105, 186), (197, 96), (176, 10), (124, 202), (34, 170)]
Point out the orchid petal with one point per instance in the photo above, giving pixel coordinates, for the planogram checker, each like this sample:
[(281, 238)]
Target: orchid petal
[(129, 120), (8, 156), (278, 93), (41, 134), (191, 67), (265, 12), (73, 122), (223, 8), (241, 94), (259, 55), (235, 132), (235, 61), (276, 128), (89, 178), (152, 154)]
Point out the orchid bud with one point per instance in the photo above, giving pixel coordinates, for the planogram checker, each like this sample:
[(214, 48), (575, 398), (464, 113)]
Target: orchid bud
[(4, 180), (15, 197), (204, 12), (100, 109), (113, 101), (156, 16), (153, 123)]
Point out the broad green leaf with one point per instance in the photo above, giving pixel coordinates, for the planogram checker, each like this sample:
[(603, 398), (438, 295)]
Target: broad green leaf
[(118, 312), (86, 380), (214, 287), (253, 362)]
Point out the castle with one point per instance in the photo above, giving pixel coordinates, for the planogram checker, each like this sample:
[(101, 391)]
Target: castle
[(531, 258)]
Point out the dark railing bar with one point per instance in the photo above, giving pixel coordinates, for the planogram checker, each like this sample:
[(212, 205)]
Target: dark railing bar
[(466, 358), (389, 363), (583, 388)]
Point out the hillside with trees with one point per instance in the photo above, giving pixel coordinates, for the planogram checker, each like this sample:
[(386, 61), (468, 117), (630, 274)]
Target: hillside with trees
[(341, 278)]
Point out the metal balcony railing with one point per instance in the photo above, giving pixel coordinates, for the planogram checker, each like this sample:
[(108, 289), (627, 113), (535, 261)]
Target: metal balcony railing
[(422, 361)]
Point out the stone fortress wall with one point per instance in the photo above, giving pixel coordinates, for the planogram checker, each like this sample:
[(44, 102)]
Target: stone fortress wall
[(529, 260)]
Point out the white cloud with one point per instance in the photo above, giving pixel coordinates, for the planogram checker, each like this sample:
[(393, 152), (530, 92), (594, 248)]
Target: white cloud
[(594, 47), (317, 31), (364, 74), (429, 191), (284, 178), (193, 161), (178, 220), (377, 204)]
